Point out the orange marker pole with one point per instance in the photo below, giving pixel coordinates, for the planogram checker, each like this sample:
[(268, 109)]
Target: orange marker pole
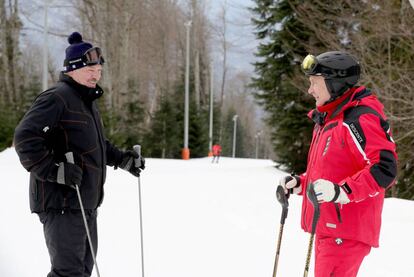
[(185, 154)]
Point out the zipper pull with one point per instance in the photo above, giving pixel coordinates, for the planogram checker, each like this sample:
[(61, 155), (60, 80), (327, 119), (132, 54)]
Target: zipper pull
[(338, 212)]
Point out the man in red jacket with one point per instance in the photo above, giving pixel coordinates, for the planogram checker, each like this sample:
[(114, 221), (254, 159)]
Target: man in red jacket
[(216, 152), (351, 162)]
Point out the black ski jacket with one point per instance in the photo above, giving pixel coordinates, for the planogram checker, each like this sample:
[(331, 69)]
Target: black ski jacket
[(64, 119)]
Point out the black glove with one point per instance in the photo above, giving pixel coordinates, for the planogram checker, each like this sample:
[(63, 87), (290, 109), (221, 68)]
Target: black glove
[(69, 174), (132, 162)]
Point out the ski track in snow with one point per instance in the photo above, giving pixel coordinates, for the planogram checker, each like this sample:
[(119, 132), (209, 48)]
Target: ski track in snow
[(200, 220)]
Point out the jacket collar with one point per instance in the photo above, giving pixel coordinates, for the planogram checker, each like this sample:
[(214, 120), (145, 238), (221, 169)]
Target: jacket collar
[(332, 109), (87, 94)]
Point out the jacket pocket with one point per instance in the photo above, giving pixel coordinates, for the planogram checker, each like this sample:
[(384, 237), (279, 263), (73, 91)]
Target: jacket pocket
[(35, 190), (43, 217)]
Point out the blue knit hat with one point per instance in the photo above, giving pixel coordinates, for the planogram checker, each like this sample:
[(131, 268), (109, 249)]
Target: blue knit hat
[(75, 51)]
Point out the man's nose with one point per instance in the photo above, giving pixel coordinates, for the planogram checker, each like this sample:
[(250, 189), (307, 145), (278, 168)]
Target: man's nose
[(96, 75)]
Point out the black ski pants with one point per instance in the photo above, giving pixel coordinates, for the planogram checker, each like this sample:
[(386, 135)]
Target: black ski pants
[(67, 242)]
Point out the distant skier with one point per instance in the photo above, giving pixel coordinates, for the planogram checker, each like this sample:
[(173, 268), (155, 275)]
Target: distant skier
[(65, 119), (216, 152), (351, 162)]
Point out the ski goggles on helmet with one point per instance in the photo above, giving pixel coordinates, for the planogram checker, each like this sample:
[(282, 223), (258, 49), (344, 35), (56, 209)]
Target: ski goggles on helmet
[(309, 64), (333, 66), (92, 56)]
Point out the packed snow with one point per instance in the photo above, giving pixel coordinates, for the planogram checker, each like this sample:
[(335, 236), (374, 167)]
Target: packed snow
[(199, 220)]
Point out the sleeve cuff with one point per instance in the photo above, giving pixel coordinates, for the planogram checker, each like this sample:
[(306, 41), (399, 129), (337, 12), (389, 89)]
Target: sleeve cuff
[(347, 189)]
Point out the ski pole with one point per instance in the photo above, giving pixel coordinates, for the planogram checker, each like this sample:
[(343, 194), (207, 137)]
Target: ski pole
[(283, 200), (137, 149), (316, 212), (70, 159)]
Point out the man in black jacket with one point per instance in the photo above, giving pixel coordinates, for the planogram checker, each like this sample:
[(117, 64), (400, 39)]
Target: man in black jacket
[(65, 119)]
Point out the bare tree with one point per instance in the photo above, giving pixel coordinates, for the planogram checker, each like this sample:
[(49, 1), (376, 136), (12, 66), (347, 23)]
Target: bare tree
[(141, 48), (10, 27), (221, 32)]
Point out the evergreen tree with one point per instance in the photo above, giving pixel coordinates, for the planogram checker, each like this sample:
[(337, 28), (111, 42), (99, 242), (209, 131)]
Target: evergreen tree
[(163, 139), (227, 136), (279, 52), (8, 121), (242, 144), (216, 123), (198, 132), (11, 114), (198, 124), (124, 128)]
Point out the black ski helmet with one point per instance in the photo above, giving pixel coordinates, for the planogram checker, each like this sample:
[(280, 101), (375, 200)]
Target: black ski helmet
[(340, 70)]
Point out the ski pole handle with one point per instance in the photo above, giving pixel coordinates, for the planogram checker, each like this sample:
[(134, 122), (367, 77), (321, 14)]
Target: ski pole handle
[(310, 193), (283, 200), (137, 149), (314, 200), (282, 197), (69, 157), (71, 160)]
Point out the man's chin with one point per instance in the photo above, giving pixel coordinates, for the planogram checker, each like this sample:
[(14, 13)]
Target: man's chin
[(320, 103), (89, 85)]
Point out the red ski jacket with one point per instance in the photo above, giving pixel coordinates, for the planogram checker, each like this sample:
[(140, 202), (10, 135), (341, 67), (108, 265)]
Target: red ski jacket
[(352, 147), (216, 150)]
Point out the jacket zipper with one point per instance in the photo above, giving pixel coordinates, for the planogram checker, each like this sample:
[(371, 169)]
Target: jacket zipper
[(102, 150), (311, 162), (338, 212), (36, 191)]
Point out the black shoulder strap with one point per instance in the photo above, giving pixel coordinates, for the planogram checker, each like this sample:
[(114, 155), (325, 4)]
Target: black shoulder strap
[(361, 94), (353, 113), (351, 118)]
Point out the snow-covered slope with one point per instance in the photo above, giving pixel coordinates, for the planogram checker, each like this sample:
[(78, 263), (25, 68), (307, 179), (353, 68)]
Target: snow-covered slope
[(200, 220)]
